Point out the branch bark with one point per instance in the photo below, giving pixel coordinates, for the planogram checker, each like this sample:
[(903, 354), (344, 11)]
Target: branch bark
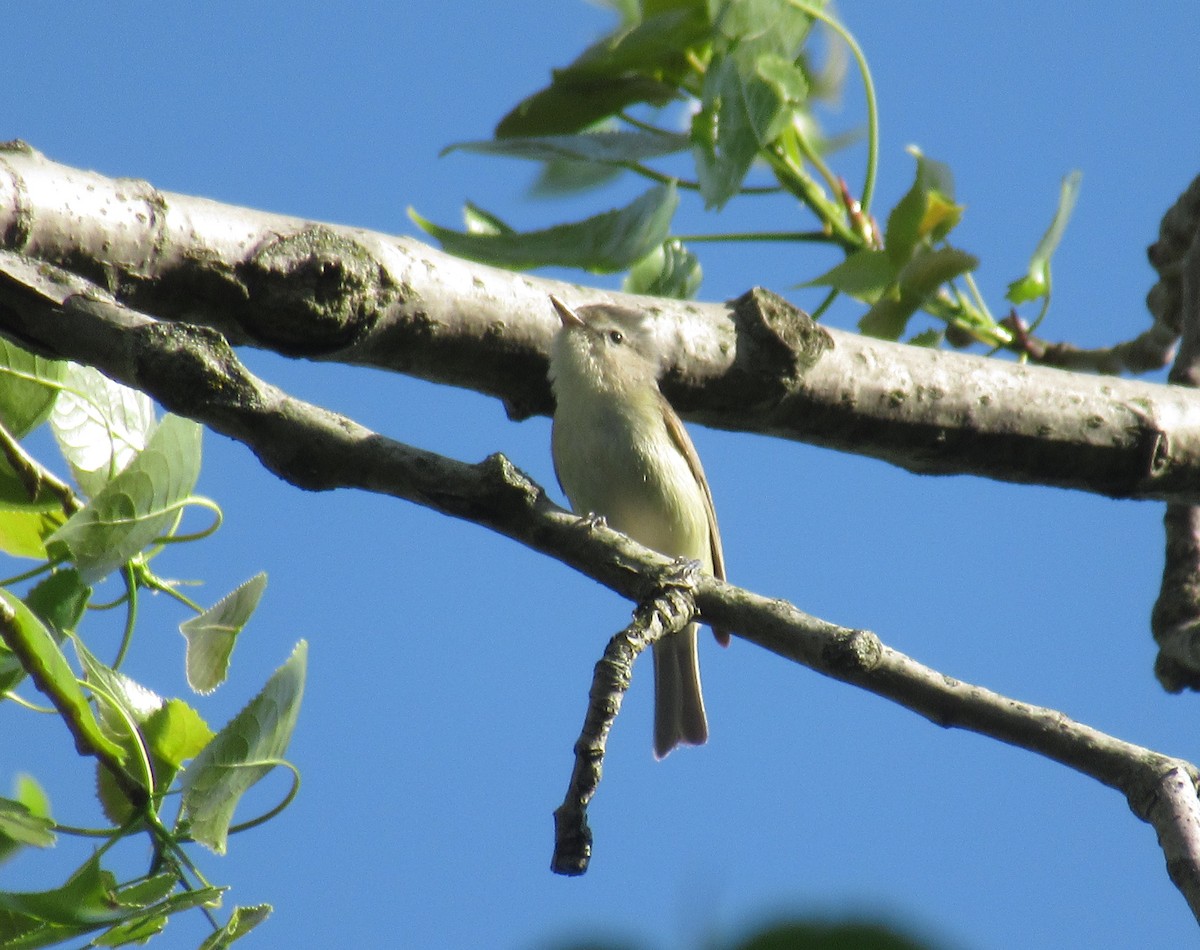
[(193, 371), (336, 293)]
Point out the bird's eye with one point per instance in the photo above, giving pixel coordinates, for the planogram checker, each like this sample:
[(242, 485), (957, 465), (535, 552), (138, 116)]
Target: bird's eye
[(616, 336)]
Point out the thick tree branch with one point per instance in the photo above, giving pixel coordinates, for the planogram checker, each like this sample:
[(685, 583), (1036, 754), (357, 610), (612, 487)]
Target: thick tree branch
[(1176, 616), (336, 293), (193, 371)]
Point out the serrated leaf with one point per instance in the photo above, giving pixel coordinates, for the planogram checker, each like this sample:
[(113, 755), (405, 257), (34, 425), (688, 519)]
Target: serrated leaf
[(606, 242), (211, 635), (864, 275), (241, 922), (242, 753), (100, 426), (139, 506), (138, 930), (121, 701), (1036, 282), (670, 270), (38, 652)]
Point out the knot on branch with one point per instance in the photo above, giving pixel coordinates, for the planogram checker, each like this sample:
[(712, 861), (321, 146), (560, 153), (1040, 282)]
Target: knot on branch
[(186, 365), (313, 291), (776, 344), (852, 652)]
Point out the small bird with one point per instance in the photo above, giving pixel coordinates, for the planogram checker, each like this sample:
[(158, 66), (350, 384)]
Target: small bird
[(621, 452)]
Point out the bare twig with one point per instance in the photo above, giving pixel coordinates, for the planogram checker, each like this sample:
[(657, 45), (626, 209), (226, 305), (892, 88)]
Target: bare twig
[(1148, 351), (669, 612)]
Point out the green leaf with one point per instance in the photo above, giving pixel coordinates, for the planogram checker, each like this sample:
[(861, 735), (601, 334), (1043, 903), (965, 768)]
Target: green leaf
[(670, 270), (930, 338), (917, 281), (169, 732), (211, 635), (737, 110), (176, 733), (563, 176), (638, 62), (85, 900), (864, 275), (25, 821), (604, 147), (241, 922), (886, 319), (28, 388), (138, 930), (570, 104), (172, 733), (242, 753), (142, 504), (788, 82), (606, 242), (100, 426), (926, 213), (479, 221), (931, 268), (763, 26), (1036, 282), (58, 601), (44, 661), (23, 531)]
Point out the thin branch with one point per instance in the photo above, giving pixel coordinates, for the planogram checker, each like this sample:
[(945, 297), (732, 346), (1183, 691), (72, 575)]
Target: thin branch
[(35, 477), (192, 371), (1148, 351), (669, 612), (358, 297)]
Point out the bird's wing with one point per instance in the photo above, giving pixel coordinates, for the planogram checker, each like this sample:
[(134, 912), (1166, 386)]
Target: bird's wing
[(683, 442)]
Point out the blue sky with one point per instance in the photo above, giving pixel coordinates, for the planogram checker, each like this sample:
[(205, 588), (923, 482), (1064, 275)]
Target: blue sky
[(448, 668)]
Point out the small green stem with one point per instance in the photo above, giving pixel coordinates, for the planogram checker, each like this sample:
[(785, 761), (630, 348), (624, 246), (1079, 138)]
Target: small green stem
[(868, 189)]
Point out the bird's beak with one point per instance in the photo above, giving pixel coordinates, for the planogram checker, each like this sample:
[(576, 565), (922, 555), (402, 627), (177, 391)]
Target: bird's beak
[(568, 316)]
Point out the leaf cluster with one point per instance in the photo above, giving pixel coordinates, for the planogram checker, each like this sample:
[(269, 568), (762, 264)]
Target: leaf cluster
[(720, 99), (132, 477)]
